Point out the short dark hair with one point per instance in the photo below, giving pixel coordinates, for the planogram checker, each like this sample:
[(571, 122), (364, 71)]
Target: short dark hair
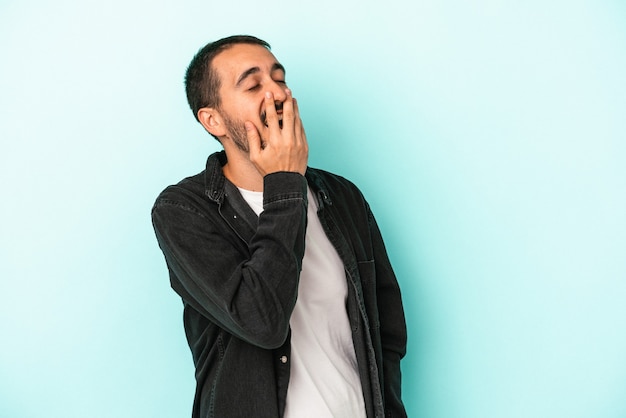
[(202, 83)]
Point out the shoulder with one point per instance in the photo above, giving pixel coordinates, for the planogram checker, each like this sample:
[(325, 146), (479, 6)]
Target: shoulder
[(335, 186), (195, 188), (329, 179), (186, 194)]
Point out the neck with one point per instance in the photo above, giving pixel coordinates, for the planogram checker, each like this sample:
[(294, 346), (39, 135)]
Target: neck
[(240, 171)]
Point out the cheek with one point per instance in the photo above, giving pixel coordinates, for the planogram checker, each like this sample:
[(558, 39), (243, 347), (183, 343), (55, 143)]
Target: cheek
[(247, 109)]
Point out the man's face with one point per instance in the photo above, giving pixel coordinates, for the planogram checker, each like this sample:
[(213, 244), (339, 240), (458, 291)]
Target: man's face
[(246, 73)]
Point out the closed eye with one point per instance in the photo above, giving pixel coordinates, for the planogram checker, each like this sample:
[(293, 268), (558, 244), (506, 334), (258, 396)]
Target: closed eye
[(258, 86)]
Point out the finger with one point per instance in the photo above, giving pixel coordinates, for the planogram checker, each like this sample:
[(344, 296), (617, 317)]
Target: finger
[(271, 117), (296, 116), (254, 139), (298, 127), (288, 113)]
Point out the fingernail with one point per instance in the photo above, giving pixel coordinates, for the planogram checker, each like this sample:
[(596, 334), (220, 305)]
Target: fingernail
[(268, 95)]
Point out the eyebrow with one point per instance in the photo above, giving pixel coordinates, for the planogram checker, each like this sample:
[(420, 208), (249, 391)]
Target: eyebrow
[(254, 70)]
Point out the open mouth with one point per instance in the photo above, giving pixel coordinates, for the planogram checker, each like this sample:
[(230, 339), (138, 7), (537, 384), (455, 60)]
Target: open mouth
[(279, 111)]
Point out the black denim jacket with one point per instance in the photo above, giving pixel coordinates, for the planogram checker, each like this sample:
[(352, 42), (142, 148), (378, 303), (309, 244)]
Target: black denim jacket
[(238, 277)]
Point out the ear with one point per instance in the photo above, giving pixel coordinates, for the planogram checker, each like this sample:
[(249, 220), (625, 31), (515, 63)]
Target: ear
[(212, 121)]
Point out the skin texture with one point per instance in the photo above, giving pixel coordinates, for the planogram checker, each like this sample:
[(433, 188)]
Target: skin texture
[(258, 121)]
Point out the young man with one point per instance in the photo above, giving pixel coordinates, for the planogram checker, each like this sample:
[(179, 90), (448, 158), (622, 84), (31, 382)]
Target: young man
[(291, 307)]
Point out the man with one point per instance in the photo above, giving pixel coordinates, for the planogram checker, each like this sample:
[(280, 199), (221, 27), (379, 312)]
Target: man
[(291, 307)]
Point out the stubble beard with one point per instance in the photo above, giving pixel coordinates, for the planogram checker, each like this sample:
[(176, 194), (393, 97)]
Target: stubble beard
[(237, 132)]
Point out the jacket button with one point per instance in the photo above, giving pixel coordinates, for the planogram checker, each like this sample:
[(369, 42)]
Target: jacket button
[(283, 359)]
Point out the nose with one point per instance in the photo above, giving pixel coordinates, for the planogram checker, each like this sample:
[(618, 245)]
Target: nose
[(278, 91)]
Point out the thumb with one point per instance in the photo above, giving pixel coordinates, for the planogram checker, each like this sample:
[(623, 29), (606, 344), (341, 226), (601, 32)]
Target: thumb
[(254, 139)]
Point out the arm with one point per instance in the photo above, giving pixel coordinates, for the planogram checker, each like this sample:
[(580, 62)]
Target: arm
[(250, 288), (392, 324)]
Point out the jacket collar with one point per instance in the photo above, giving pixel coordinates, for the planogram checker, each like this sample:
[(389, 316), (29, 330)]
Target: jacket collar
[(215, 182), (214, 178)]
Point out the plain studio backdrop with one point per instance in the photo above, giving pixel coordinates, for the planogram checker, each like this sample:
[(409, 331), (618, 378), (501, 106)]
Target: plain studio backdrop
[(488, 136)]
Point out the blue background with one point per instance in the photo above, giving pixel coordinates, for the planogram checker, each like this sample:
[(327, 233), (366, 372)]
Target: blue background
[(489, 137)]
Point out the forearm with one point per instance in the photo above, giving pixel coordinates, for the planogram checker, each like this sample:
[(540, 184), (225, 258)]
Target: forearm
[(248, 288)]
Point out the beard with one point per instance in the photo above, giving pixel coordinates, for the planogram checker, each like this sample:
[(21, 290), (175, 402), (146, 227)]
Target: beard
[(237, 132)]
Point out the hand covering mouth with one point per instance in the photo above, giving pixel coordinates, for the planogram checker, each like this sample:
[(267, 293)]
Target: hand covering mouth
[(279, 111)]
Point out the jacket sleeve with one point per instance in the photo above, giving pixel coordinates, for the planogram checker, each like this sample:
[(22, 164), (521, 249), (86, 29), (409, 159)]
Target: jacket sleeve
[(392, 324), (247, 288)]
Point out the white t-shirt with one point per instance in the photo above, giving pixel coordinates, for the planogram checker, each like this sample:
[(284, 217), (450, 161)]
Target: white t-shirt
[(324, 378)]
